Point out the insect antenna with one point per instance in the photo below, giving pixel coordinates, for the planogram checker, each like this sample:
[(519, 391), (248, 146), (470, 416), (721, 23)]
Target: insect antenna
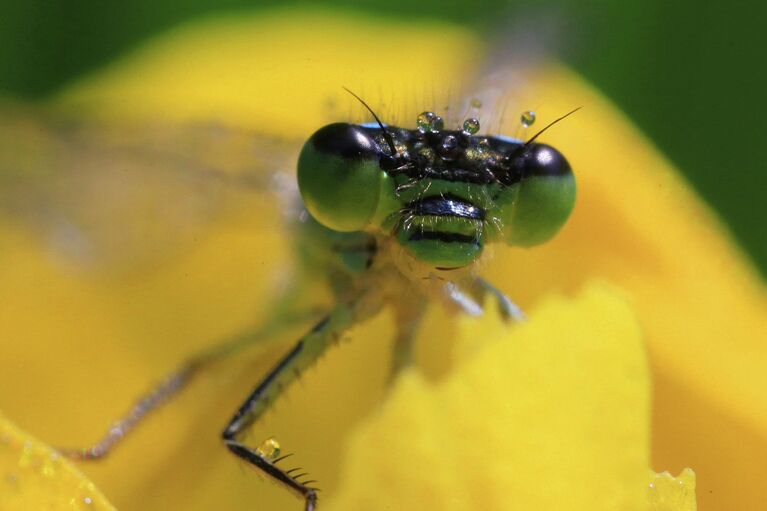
[(387, 136), (549, 125)]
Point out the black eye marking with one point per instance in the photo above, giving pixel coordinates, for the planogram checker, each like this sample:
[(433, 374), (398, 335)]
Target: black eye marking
[(345, 140), (386, 134)]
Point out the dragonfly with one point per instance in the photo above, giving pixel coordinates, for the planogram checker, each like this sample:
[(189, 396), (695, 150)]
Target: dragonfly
[(392, 217)]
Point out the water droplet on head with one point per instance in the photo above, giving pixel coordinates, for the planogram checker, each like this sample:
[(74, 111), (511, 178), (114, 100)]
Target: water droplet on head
[(527, 118), (449, 147), (269, 449), (471, 126), (424, 121), (449, 143), (483, 146), (437, 124)]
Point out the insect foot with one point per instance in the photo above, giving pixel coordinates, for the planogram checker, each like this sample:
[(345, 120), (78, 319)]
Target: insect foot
[(267, 464)]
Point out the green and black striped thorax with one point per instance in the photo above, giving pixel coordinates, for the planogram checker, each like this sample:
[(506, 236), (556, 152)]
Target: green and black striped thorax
[(442, 194)]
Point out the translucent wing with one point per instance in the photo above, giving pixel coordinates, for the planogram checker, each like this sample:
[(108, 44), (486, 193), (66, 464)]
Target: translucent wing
[(498, 90), (116, 196)]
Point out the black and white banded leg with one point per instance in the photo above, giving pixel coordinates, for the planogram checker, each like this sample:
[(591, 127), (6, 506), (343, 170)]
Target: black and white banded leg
[(301, 356)]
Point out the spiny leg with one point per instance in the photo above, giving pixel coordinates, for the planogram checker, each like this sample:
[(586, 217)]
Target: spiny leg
[(303, 354), (178, 380)]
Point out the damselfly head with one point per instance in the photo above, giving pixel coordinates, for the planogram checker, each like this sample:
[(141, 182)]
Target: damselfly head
[(441, 193)]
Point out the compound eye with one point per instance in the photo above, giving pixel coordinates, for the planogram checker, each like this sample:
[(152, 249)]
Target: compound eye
[(339, 176), (538, 206), (544, 160)]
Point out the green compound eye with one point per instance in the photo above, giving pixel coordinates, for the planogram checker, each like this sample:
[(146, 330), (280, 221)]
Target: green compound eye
[(543, 199), (339, 176)]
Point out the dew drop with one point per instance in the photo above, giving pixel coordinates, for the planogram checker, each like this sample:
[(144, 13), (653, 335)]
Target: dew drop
[(424, 121), (471, 126), (527, 118), (449, 147), (449, 143), (483, 147), (437, 124), (269, 449)]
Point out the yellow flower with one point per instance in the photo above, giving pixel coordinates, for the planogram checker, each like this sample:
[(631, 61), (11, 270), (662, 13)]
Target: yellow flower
[(556, 412)]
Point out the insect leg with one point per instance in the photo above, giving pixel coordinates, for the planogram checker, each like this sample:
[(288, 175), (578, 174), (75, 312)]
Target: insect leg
[(178, 380), (303, 354), (509, 310), (463, 300), (471, 299), (408, 317)]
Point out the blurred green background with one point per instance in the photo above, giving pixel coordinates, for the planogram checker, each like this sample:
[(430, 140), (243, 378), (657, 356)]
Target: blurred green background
[(690, 74)]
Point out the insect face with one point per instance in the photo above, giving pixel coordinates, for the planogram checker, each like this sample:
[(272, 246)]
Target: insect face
[(443, 194)]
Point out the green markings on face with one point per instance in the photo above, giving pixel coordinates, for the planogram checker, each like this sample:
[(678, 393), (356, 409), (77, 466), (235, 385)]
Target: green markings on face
[(442, 246), (438, 223), (442, 195)]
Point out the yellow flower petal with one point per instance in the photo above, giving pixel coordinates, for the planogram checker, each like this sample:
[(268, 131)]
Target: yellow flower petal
[(668, 493), (32, 476), (282, 72), (551, 414), (701, 304)]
